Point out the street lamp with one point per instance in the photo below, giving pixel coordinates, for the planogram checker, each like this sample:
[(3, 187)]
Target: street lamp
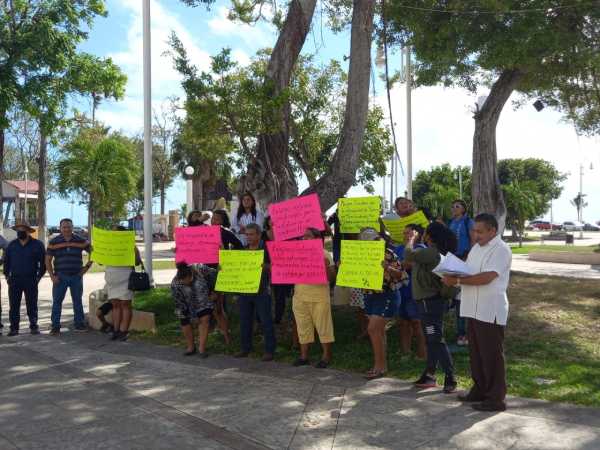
[(189, 173), (460, 182)]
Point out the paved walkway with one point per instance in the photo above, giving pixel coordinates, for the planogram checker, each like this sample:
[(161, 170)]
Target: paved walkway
[(82, 391), (521, 263)]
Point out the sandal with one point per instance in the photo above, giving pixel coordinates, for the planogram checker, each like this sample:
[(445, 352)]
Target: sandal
[(322, 364), (374, 374)]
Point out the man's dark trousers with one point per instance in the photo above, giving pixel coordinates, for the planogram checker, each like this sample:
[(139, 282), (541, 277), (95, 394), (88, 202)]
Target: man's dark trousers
[(17, 286), (486, 348)]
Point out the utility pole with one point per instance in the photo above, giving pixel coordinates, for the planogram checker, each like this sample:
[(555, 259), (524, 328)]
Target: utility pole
[(409, 164), (147, 139)]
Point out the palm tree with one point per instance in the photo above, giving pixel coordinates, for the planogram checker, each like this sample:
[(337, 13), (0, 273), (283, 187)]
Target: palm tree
[(579, 203)]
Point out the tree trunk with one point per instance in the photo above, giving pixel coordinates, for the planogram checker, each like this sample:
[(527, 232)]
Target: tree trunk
[(269, 176), (162, 198), (486, 192), (342, 173), (197, 192), (41, 203)]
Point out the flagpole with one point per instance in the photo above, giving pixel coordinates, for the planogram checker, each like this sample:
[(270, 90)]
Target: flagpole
[(147, 139)]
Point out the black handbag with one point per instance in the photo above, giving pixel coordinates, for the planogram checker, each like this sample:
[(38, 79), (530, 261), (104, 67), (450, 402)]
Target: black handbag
[(139, 281)]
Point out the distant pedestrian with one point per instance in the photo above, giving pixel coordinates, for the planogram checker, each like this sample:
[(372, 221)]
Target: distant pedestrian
[(191, 290), (259, 304), (3, 245), (24, 267), (461, 225), (64, 261), (432, 301), (119, 294), (312, 309), (247, 213), (485, 303)]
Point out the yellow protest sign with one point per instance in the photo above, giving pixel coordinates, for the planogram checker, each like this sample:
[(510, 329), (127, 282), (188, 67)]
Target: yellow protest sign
[(240, 272), (113, 248), (396, 226), (357, 213), (361, 264)]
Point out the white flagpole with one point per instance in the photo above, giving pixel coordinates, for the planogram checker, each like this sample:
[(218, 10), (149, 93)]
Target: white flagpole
[(147, 140)]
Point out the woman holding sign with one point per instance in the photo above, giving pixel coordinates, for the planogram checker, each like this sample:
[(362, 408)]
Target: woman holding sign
[(117, 287), (312, 309), (432, 300), (246, 214)]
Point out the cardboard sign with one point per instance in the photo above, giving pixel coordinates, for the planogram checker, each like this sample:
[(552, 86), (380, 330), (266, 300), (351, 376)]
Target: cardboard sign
[(358, 213), (396, 226), (240, 271), (113, 248), (297, 262), (292, 217), (361, 264), (198, 245)]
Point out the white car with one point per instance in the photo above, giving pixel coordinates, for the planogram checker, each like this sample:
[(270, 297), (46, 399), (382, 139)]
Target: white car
[(572, 226)]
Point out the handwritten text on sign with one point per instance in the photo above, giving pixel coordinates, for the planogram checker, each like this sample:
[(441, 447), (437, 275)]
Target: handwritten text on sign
[(198, 245), (240, 271), (358, 213), (396, 226), (297, 262), (292, 217), (113, 248), (361, 264)]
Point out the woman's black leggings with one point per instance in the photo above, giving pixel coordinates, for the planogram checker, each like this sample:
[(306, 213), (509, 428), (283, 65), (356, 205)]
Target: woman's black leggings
[(432, 312)]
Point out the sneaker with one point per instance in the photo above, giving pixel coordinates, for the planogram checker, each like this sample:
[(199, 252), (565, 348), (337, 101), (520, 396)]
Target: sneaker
[(34, 330), (426, 381), (203, 355), (81, 328), (54, 331), (449, 385), (123, 336), (116, 335), (460, 341), (13, 333)]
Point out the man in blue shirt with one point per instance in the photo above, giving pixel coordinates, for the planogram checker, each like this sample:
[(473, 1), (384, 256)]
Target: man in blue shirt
[(65, 266), (461, 225), (24, 267)]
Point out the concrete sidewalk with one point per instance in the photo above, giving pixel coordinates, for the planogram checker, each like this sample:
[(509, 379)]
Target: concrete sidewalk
[(83, 391)]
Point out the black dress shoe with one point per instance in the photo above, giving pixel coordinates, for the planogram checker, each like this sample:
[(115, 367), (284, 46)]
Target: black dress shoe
[(34, 330), (13, 333), (469, 398), (489, 407)]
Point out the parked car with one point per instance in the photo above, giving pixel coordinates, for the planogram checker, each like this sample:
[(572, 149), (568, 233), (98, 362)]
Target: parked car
[(540, 225), (590, 227), (572, 226)]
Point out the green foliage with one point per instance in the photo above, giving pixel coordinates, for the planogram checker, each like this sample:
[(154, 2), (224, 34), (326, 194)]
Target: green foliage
[(529, 185), (469, 44), (100, 169), (230, 106), (436, 189)]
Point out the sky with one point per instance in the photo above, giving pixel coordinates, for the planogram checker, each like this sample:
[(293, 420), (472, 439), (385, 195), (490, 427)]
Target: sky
[(442, 119)]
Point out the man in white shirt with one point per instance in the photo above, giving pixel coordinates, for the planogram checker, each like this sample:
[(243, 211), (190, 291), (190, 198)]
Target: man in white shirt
[(484, 301)]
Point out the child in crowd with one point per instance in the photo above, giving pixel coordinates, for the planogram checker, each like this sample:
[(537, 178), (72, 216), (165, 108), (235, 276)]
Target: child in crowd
[(101, 314), (191, 289)]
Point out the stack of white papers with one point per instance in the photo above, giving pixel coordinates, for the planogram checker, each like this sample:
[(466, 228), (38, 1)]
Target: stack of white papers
[(451, 265)]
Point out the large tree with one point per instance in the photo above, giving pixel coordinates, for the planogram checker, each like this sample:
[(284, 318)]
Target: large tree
[(37, 38), (531, 47)]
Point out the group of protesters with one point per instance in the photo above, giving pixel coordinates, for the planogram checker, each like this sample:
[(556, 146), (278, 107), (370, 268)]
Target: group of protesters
[(412, 294)]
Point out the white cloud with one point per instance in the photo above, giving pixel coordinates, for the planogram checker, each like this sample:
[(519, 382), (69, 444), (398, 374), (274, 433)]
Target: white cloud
[(255, 36), (443, 132)]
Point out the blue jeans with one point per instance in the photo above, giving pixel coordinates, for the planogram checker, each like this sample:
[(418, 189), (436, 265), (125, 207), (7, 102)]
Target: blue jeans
[(260, 305), (75, 284)]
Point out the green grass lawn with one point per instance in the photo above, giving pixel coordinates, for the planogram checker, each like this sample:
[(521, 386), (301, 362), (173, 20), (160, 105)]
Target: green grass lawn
[(526, 249), (552, 344)]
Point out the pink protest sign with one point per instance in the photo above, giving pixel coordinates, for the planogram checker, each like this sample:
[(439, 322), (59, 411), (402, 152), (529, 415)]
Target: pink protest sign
[(198, 245), (297, 262), (292, 217)]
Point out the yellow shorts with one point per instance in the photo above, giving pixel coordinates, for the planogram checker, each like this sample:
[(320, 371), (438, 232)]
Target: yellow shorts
[(311, 315)]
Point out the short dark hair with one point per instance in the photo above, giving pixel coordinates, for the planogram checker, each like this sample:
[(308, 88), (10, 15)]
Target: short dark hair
[(66, 219), (183, 271), (402, 198), (317, 234), (461, 202), (254, 226), (488, 219), (224, 217), (443, 238)]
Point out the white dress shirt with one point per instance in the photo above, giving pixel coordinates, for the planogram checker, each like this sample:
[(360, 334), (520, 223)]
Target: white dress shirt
[(488, 303)]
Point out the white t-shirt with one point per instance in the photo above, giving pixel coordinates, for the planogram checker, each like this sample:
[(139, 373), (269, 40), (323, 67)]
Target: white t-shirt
[(488, 303)]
